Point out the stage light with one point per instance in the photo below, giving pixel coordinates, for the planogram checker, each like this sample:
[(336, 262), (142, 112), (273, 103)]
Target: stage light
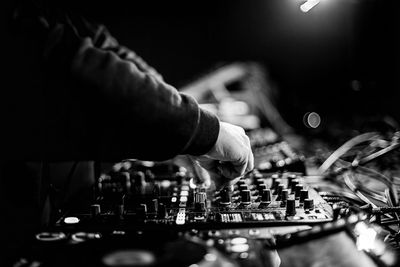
[(308, 5)]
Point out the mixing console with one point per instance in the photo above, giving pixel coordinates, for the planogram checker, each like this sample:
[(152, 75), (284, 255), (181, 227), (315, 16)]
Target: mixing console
[(271, 153), (153, 214), (135, 198)]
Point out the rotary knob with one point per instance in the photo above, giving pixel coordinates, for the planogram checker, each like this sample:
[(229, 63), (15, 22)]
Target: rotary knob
[(284, 195), (278, 190), (298, 189), (295, 182), (275, 183), (291, 177), (303, 195), (308, 204), (266, 195), (243, 187), (225, 197), (261, 188), (245, 196), (290, 207)]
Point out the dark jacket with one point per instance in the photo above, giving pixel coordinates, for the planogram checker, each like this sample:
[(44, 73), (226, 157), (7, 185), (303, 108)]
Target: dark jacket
[(77, 94), (72, 93)]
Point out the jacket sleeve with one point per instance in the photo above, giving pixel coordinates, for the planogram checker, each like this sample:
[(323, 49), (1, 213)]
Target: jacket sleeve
[(103, 39), (119, 108)]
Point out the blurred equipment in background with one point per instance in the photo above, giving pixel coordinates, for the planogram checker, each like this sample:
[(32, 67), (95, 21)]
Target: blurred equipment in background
[(239, 93)]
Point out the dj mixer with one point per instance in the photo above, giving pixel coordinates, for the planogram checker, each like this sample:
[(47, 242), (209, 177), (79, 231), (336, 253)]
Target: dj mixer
[(145, 213)]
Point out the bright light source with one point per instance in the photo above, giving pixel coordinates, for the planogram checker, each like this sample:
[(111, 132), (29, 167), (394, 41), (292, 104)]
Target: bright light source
[(238, 241), (312, 120), (210, 257), (71, 220), (308, 5), (366, 237), (240, 248)]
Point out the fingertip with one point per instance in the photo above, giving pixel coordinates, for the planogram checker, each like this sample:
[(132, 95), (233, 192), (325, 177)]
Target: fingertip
[(249, 162), (250, 165)]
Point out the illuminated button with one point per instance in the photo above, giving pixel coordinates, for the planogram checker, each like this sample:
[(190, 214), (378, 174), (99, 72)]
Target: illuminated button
[(254, 232), (244, 255), (48, 236), (264, 166), (165, 183), (234, 232), (280, 163), (131, 257), (185, 188), (180, 217), (118, 232), (240, 248), (83, 236), (184, 193), (257, 216), (71, 220), (214, 233), (238, 241), (210, 257), (183, 199)]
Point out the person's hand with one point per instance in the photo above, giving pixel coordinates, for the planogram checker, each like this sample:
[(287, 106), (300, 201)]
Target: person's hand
[(230, 158)]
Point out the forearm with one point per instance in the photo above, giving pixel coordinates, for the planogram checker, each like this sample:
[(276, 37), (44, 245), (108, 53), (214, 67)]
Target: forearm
[(134, 113)]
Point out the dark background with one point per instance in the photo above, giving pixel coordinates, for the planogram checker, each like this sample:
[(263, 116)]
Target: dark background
[(341, 59)]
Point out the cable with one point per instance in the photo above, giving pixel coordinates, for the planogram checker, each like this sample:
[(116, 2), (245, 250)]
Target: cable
[(375, 155), (353, 188), (370, 136)]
